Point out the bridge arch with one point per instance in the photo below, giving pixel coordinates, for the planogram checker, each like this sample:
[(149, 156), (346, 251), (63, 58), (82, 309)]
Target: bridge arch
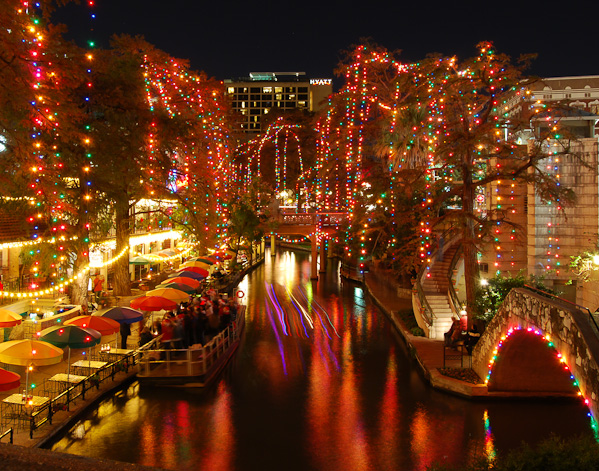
[(562, 327)]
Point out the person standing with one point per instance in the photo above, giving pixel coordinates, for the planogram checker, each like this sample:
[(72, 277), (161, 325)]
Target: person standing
[(98, 285), (125, 332)]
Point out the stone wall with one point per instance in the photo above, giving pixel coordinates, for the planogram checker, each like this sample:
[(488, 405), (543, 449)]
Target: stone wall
[(568, 327)]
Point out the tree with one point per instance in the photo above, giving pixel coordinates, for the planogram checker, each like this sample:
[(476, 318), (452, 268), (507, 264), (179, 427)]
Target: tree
[(475, 147)]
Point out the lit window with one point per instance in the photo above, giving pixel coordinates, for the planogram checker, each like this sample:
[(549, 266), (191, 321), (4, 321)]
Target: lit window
[(267, 89)]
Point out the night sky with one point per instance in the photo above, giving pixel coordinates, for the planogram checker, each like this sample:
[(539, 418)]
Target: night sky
[(228, 39)]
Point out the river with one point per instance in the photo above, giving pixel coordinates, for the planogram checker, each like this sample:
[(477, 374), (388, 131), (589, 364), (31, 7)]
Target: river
[(321, 381)]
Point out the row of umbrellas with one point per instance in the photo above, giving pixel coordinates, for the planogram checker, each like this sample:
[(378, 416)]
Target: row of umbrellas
[(87, 331), (180, 284), (76, 333)]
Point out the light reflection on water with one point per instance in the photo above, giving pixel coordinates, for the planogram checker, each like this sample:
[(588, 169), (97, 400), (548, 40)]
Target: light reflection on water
[(319, 382)]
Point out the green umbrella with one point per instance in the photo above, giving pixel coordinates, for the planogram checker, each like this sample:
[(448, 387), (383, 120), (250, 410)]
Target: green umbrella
[(71, 336)]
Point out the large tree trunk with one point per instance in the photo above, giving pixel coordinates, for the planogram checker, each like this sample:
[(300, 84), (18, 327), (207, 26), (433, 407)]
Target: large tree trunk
[(471, 271), (79, 286), (122, 281)]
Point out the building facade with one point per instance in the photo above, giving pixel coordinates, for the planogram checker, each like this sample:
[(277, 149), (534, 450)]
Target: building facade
[(261, 93), (546, 237)]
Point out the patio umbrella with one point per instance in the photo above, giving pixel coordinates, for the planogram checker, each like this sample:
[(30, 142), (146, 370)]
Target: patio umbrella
[(123, 315), (187, 274), (71, 336), (178, 286), (205, 266), (140, 261), (167, 252), (184, 280), (104, 325), (152, 303), (203, 260), (29, 353), (198, 270), (9, 318), (172, 294), (9, 380)]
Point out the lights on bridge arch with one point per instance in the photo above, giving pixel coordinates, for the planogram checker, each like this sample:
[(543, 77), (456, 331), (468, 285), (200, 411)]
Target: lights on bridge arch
[(559, 357)]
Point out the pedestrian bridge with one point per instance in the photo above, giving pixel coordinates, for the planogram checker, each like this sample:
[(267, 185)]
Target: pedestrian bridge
[(316, 226), (536, 345)]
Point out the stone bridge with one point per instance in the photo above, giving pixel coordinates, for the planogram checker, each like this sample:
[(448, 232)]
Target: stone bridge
[(536, 346), (312, 225)]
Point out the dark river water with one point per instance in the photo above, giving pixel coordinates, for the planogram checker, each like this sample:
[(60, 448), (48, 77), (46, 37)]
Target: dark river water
[(320, 382)]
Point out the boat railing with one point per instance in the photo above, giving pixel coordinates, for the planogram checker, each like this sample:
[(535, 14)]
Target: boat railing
[(194, 361)]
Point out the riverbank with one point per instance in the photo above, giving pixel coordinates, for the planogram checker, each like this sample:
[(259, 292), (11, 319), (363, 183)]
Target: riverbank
[(428, 353)]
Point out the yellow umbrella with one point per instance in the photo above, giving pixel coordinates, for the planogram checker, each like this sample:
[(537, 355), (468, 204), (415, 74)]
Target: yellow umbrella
[(29, 352), (175, 295)]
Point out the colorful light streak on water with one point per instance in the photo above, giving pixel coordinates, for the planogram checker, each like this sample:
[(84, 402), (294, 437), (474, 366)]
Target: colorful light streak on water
[(347, 397)]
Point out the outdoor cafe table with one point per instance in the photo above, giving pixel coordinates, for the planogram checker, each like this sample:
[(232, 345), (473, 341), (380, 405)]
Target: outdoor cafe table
[(115, 354), (17, 408), (87, 366), (65, 380)]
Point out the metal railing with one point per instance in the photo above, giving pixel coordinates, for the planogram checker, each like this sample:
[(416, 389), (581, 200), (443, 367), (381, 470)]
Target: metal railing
[(8, 432), (425, 309), (454, 300), (45, 413)]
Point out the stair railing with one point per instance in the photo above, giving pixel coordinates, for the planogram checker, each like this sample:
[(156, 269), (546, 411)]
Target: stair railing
[(454, 300), (425, 309)]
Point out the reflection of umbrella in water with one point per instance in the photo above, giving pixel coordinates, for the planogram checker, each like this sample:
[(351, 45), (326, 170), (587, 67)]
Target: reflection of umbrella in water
[(71, 336), (152, 303), (9, 380), (178, 286), (29, 353)]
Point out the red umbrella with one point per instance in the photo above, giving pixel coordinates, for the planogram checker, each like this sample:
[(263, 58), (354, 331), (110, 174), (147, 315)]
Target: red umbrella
[(152, 303), (9, 380), (185, 281), (9, 318), (104, 325), (198, 270)]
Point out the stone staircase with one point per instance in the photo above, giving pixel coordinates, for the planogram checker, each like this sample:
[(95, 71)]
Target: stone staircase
[(435, 287)]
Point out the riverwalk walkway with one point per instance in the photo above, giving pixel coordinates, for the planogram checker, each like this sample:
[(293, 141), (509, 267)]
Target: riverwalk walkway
[(427, 352)]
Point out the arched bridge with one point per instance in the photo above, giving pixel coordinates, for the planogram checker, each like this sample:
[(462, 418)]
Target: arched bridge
[(313, 225), (537, 345)]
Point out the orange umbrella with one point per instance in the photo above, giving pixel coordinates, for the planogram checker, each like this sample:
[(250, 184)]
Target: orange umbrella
[(9, 318), (185, 281), (104, 325), (172, 294), (152, 303)]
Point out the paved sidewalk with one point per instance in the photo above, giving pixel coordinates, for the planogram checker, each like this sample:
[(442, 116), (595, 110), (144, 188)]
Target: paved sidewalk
[(428, 352)]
